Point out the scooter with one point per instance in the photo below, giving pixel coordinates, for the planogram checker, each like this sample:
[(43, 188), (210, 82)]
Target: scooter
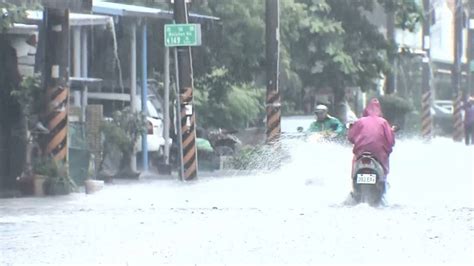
[(367, 181)]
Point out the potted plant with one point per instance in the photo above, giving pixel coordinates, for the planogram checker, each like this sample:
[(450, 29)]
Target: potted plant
[(28, 95), (54, 175), (121, 135)]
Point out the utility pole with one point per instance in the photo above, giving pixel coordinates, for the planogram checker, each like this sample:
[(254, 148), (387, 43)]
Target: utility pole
[(457, 72), (188, 117), (391, 77), (56, 80), (426, 99), (273, 106)]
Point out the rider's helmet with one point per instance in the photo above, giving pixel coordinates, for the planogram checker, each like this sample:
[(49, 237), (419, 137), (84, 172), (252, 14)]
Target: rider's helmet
[(320, 108)]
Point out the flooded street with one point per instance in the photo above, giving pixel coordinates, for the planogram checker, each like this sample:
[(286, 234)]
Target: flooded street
[(294, 215)]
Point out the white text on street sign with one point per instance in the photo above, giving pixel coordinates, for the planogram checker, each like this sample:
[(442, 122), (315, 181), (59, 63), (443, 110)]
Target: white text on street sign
[(182, 35)]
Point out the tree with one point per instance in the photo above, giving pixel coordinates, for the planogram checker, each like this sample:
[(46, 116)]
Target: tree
[(224, 104), (9, 14), (337, 46), (236, 42), (324, 43)]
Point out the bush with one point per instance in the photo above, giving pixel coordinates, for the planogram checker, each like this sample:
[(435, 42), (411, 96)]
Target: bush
[(121, 135), (262, 157), (223, 103), (124, 130), (57, 181), (395, 108)]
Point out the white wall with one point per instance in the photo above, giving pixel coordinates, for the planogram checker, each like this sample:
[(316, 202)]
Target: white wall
[(442, 34)]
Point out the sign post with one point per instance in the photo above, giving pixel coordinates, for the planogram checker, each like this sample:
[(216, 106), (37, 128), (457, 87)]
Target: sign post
[(182, 36)]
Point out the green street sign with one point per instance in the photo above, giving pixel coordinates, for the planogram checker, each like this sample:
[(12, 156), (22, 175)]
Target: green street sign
[(182, 35)]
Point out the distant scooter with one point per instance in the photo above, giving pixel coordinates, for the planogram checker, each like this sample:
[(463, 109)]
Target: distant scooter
[(224, 142)]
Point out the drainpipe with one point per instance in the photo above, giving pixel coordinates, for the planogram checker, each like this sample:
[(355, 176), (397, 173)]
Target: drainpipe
[(133, 82), (167, 105), (144, 94), (84, 72), (76, 67)]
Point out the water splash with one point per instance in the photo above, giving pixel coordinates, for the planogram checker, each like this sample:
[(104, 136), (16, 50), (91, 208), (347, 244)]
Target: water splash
[(437, 173), (111, 27), (433, 174)]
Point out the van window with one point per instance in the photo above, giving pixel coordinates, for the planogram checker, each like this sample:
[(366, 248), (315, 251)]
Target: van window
[(151, 110), (109, 106)]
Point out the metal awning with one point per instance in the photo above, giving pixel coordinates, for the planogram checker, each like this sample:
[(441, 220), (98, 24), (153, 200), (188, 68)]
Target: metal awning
[(19, 28), (116, 9), (75, 19)]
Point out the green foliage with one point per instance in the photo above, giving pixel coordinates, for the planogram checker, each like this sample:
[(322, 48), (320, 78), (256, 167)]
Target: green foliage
[(245, 158), (9, 14), (338, 46), (395, 108), (245, 104), (409, 68), (28, 95), (236, 42), (408, 13), (57, 180), (123, 130), (324, 43), (257, 158), (220, 103), (49, 167)]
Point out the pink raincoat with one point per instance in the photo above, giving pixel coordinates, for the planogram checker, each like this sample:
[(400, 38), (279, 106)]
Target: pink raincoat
[(372, 133)]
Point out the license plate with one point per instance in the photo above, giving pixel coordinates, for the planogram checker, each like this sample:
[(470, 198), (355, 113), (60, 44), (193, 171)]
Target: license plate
[(366, 178)]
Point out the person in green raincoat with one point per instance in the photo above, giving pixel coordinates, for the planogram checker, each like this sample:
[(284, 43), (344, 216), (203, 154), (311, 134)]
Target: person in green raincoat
[(326, 124)]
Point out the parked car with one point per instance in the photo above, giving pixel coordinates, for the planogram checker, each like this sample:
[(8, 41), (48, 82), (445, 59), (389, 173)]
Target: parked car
[(112, 102), (442, 112)]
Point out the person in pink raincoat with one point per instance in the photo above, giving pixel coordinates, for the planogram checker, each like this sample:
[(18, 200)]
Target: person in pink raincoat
[(372, 133)]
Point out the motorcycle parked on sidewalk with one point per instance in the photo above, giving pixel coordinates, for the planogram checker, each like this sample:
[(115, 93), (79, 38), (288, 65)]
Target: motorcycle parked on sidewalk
[(224, 142)]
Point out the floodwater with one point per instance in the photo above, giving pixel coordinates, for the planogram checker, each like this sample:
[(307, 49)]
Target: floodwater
[(292, 215)]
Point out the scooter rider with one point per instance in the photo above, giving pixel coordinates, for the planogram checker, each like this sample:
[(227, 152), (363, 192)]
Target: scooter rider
[(326, 123), (372, 133)]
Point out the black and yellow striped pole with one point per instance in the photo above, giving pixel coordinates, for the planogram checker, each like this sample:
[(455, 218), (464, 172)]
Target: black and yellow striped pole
[(188, 153), (273, 108), (188, 135), (56, 80), (426, 99), (426, 117), (458, 133)]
